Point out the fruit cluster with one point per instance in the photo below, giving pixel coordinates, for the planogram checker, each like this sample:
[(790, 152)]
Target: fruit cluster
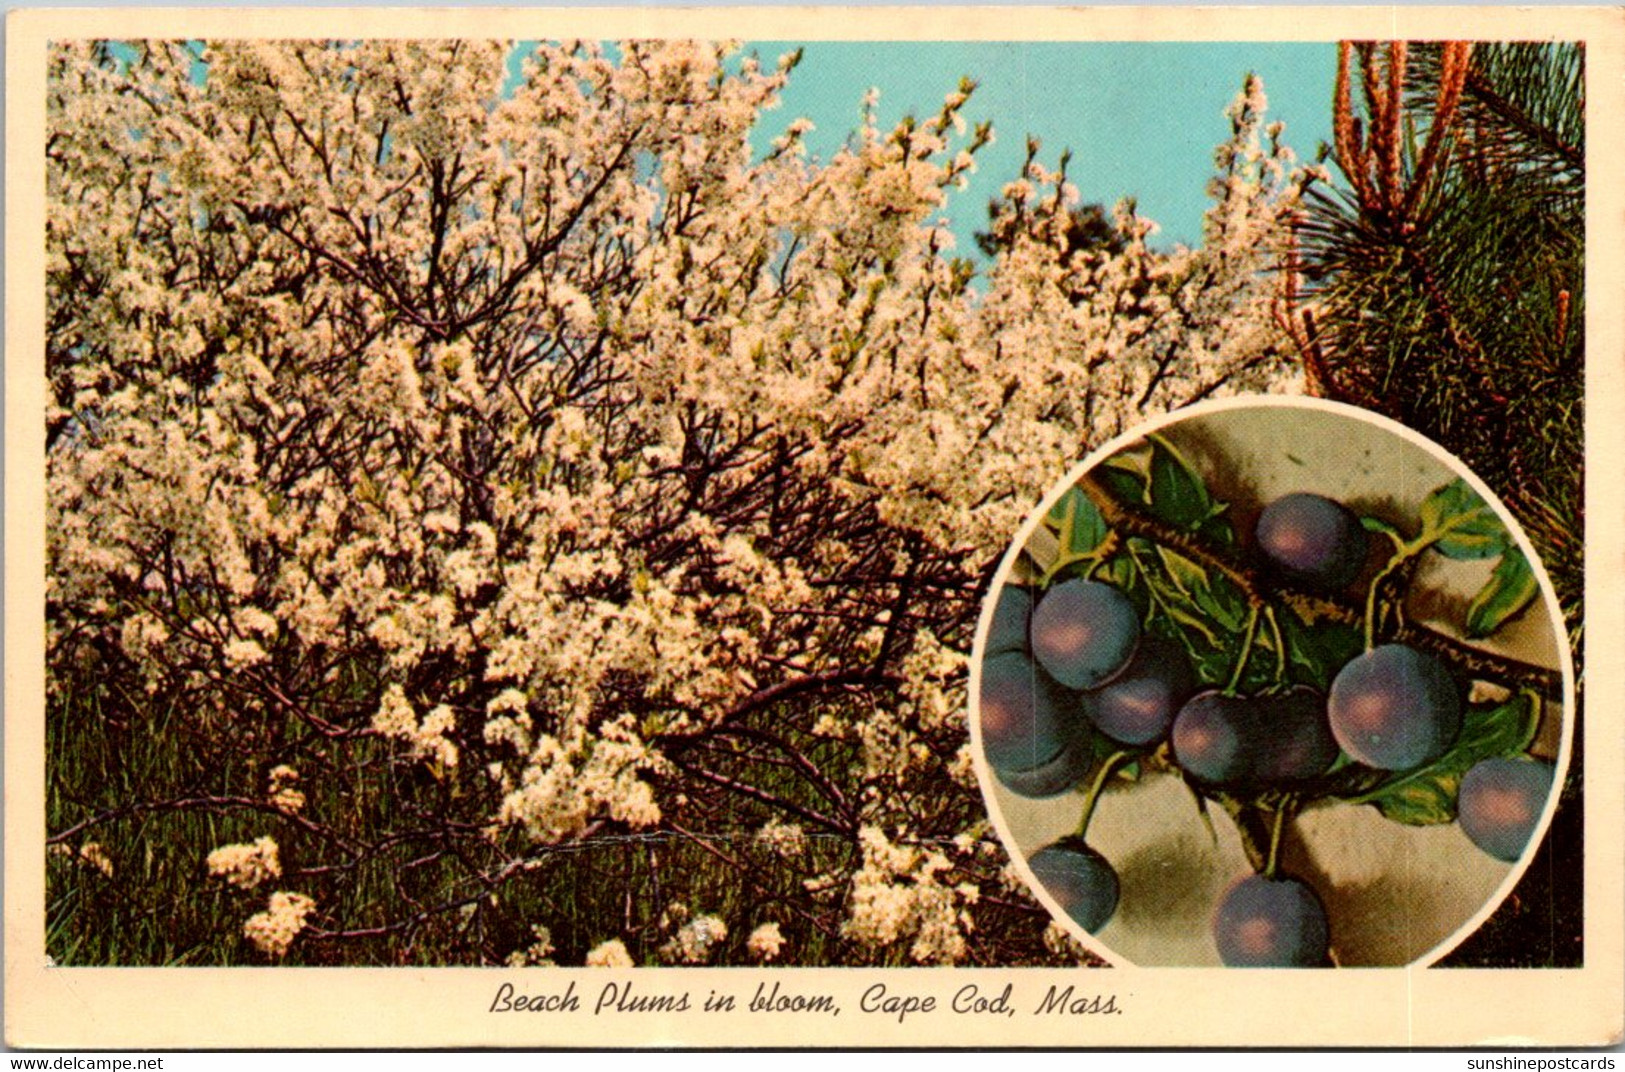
[(1100, 666)]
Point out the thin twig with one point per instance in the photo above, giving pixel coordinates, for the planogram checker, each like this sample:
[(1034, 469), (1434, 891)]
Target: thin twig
[(124, 811)]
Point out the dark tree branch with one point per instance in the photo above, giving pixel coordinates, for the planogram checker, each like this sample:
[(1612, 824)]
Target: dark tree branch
[(762, 795), (1481, 91), (210, 803)]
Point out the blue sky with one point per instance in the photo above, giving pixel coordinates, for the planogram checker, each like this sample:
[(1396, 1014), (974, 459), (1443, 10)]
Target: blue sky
[(1141, 119)]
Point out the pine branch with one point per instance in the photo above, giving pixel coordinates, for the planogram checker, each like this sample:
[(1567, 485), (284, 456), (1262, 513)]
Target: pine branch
[(1481, 91)]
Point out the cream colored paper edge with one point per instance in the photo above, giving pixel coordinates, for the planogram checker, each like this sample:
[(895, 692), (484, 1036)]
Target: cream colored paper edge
[(155, 1008)]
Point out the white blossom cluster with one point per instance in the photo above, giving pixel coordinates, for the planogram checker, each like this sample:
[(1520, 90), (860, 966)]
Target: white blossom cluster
[(539, 953), (901, 893), (91, 854), (694, 941), (284, 791), (547, 437), (765, 942), (246, 865), (786, 839), (396, 719), (1059, 940), (610, 954), (273, 930)]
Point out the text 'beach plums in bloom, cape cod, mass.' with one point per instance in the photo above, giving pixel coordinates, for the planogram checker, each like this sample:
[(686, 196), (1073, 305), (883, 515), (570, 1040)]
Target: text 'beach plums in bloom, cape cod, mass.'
[(1394, 708), (1084, 633), (1313, 540)]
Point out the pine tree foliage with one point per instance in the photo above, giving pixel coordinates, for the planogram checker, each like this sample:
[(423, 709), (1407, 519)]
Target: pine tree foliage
[(1445, 278)]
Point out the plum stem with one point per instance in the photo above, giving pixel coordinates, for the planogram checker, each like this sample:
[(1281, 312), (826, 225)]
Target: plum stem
[(1280, 644), (1275, 838), (1201, 810), (1403, 555), (1107, 769), (1246, 650), (1371, 613)]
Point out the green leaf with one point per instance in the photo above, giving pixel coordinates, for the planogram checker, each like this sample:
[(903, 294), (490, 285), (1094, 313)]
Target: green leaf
[(1217, 529), (1459, 524), (1218, 597), (1427, 796), (1178, 493), (1167, 598), (1319, 650), (1078, 524), (1427, 801), (1509, 590), (1119, 573), (1345, 779), (1124, 479), (1027, 569)]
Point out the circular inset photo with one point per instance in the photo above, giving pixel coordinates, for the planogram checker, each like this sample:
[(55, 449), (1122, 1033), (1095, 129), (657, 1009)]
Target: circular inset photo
[(1271, 683)]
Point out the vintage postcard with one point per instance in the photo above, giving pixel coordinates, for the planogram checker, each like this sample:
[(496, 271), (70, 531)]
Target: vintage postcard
[(814, 527)]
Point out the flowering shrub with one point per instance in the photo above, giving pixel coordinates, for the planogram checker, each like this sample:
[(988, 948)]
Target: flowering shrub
[(592, 511)]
